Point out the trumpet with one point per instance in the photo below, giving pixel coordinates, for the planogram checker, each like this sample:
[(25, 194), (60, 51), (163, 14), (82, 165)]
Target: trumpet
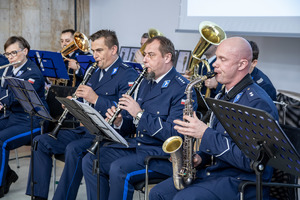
[(61, 119), (9, 64)]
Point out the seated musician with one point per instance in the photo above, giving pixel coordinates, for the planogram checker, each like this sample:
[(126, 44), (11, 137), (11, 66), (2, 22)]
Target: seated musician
[(160, 100), (15, 123), (220, 164), (109, 81)]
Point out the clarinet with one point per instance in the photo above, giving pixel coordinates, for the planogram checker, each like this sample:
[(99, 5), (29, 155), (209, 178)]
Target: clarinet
[(129, 92), (61, 119)]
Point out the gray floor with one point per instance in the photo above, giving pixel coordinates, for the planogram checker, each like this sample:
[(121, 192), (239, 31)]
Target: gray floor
[(17, 190)]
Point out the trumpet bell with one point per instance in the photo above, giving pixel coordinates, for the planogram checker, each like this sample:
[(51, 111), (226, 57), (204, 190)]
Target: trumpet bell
[(80, 42)]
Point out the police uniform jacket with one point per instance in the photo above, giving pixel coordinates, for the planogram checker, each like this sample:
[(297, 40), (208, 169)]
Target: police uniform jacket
[(115, 82), (29, 72), (263, 81), (228, 159), (161, 105)]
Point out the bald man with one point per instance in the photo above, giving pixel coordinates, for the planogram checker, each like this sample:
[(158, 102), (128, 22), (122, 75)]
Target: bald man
[(221, 165)]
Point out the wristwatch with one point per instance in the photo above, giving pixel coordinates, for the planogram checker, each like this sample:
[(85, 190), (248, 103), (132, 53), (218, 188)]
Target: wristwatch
[(138, 117)]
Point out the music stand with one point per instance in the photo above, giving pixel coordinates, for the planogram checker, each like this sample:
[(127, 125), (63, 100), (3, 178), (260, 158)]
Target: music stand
[(96, 125), (85, 61), (32, 104), (259, 136), (50, 63), (137, 66)]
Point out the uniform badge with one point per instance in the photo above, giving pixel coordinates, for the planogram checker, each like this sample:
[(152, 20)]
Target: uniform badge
[(130, 84), (114, 71), (237, 97), (89, 84), (31, 80), (29, 68), (19, 73), (165, 84)]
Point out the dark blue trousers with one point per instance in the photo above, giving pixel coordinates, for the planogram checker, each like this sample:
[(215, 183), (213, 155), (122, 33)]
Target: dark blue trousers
[(15, 131), (118, 173), (72, 143)]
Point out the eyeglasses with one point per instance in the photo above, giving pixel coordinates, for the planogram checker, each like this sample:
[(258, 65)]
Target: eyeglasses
[(13, 53)]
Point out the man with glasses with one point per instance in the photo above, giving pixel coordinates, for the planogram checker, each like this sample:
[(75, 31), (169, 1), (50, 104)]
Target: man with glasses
[(15, 123), (160, 100)]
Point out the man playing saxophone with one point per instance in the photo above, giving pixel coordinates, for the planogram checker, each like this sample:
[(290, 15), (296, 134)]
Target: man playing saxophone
[(109, 81), (160, 100), (220, 164)]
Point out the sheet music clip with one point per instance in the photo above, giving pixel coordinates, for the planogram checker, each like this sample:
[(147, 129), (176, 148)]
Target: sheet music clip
[(50, 63), (259, 136)]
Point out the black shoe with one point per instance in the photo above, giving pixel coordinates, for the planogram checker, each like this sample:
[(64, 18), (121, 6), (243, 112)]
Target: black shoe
[(11, 177), (1, 191)]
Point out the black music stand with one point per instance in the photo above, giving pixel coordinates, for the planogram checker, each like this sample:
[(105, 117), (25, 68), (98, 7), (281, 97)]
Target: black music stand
[(50, 63), (32, 104), (85, 61), (259, 136), (96, 125)]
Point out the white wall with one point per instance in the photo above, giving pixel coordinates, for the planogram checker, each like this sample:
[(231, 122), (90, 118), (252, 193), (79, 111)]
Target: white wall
[(279, 57)]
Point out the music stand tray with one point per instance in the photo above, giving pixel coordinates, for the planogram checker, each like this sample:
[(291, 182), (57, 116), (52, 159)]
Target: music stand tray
[(50, 63), (91, 119), (259, 136)]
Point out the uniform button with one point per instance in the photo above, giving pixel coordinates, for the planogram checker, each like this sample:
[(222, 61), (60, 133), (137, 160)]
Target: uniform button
[(139, 144), (216, 163), (208, 173), (238, 178), (157, 112), (144, 130), (106, 93), (225, 132), (142, 135), (207, 150)]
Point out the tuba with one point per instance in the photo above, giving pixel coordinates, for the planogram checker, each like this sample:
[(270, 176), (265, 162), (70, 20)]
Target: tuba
[(182, 151), (80, 42), (211, 34), (152, 33)]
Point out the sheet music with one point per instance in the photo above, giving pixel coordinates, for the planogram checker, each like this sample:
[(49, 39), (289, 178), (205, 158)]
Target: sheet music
[(100, 121)]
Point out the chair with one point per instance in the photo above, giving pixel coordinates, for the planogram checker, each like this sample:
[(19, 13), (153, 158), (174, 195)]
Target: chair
[(143, 186)]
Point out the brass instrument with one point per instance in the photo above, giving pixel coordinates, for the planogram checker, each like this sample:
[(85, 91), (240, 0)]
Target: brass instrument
[(152, 33), (182, 151), (61, 119), (9, 64), (130, 92), (80, 42), (211, 34)]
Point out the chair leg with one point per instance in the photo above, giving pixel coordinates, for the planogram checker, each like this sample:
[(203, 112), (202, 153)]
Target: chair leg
[(17, 158), (54, 174)]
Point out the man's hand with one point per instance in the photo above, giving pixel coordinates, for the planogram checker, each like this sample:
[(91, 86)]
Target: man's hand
[(211, 83), (127, 103), (110, 112), (73, 64), (87, 93), (197, 160), (193, 127), (138, 57)]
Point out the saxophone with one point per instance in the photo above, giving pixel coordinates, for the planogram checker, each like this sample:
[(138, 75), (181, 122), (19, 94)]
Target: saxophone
[(182, 151), (61, 119)]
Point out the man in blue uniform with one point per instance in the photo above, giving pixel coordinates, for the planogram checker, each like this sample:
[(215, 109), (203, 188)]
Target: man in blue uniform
[(160, 100), (111, 79), (221, 165), (258, 76), (73, 67), (15, 123)]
